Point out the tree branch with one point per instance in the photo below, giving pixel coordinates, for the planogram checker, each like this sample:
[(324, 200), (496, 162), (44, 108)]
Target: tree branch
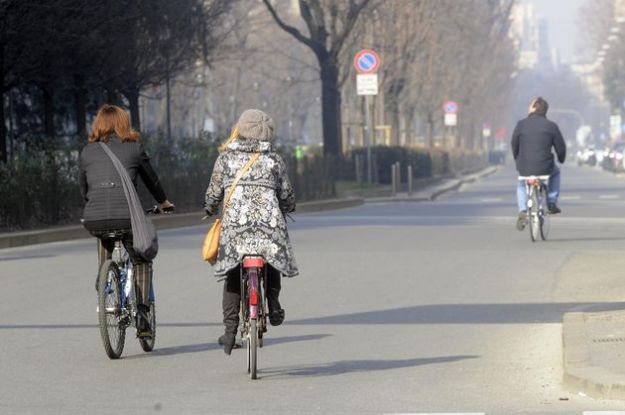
[(290, 29)]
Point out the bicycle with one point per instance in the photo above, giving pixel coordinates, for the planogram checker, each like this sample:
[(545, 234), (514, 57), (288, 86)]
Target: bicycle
[(253, 308), (536, 188), (117, 305)]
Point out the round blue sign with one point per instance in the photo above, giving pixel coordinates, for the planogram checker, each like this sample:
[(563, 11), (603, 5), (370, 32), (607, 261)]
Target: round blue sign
[(366, 61)]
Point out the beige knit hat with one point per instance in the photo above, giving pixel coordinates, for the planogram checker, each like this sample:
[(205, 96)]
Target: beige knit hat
[(255, 125)]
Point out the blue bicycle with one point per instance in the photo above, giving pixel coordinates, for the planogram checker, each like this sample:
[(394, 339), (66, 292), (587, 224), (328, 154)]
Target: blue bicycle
[(117, 303)]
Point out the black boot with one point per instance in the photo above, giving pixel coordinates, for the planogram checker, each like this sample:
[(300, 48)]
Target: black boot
[(231, 302), (276, 313), (228, 341), (143, 322)]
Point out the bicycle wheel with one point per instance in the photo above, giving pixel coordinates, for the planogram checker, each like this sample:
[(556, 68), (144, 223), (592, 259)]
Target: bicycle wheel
[(252, 348), (545, 221), (534, 218), (147, 343), (112, 329)]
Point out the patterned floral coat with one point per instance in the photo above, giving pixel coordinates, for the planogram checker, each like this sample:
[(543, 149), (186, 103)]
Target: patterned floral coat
[(254, 220)]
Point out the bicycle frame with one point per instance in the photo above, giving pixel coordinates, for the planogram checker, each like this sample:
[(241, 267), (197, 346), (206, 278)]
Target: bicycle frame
[(253, 288), (126, 281), (537, 188), (253, 312)]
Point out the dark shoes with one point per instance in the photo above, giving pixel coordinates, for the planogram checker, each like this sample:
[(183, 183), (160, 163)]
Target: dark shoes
[(521, 220), (228, 341), (143, 322), (553, 209), (276, 317)]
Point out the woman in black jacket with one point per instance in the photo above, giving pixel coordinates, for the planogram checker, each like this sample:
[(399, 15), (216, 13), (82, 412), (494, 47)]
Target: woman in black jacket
[(106, 208)]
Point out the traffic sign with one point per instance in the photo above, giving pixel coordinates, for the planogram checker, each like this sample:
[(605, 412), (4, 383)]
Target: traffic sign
[(366, 61), (451, 120), (367, 84), (450, 107), (486, 130)]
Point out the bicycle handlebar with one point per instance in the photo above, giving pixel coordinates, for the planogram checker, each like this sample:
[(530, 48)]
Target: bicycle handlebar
[(155, 210)]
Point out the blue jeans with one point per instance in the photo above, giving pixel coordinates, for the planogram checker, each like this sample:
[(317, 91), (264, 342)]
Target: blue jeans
[(553, 190)]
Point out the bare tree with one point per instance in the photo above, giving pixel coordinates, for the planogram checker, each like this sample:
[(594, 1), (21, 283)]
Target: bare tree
[(329, 25)]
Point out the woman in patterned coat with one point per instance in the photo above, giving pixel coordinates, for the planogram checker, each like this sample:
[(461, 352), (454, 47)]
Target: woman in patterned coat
[(254, 221)]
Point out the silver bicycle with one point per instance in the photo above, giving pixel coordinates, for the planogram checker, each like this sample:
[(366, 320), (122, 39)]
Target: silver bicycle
[(537, 188)]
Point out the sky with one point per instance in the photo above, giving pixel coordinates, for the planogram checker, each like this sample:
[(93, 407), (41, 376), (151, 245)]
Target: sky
[(562, 16)]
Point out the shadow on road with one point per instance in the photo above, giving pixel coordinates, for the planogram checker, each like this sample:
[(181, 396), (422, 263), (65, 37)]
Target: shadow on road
[(587, 239), (504, 313), (353, 366), (522, 313), (204, 347), (95, 326)]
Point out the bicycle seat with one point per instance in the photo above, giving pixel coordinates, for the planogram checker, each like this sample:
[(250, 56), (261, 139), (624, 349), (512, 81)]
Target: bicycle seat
[(113, 234), (253, 262), (535, 180), (542, 178)]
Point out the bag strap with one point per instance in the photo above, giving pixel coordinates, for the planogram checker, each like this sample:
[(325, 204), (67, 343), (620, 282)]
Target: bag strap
[(238, 177)]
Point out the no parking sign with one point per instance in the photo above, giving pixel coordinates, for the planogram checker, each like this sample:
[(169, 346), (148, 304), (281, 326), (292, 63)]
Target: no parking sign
[(366, 61)]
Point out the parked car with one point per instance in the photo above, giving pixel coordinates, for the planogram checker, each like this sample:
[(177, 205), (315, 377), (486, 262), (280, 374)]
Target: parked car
[(614, 161), (587, 156)]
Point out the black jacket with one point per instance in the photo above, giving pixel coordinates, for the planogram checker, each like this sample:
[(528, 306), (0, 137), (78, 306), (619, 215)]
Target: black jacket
[(532, 140), (100, 185)]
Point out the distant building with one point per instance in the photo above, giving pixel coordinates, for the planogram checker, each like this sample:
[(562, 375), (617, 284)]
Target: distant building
[(526, 34), (531, 35)]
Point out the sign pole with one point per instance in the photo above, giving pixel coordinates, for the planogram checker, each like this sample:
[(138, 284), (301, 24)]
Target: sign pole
[(367, 63), (370, 133)]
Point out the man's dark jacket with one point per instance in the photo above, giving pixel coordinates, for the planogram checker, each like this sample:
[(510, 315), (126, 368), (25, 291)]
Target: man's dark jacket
[(106, 207), (532, 140)]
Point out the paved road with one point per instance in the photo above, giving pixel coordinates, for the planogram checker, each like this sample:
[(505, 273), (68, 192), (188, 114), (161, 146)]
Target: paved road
[(400, 308)]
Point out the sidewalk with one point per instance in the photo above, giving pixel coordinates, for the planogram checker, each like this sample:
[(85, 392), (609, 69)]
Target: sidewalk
[(176, 220), (179, 220), (432, 192), (594, 352)]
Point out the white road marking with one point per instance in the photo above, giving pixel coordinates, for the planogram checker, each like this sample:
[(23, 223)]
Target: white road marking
[(570, 197), (609, 197), (491, 199), (438, 413), (604, 413)]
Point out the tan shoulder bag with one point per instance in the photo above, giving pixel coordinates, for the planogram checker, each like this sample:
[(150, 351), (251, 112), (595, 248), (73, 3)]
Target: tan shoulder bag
[(210, 247)]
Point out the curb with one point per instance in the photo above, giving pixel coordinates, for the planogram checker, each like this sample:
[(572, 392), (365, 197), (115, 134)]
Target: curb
[(579, 373), (178, 220), (423, 196)]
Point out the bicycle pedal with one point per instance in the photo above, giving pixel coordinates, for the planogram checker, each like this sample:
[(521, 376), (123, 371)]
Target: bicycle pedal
[(144, 334)]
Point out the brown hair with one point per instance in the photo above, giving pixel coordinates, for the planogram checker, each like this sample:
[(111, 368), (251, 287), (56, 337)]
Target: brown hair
[(112, 119), (540, 106)]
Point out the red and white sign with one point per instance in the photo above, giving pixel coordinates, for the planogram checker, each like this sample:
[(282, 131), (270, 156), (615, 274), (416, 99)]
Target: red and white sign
[(450, 107), (366, 62)]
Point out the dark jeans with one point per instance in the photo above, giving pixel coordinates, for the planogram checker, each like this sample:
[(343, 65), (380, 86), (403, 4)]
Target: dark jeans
[(142, 269), (232, 295)]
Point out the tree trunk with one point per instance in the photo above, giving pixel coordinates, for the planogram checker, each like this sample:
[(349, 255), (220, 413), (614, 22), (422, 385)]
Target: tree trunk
[(111, 96), (48, 110), (132, 96), (330, 106), (430, 130), (408, 126), (3, 131), (80, 96)]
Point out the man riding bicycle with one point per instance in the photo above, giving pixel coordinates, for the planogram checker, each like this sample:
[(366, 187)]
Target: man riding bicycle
[(532, 142)]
